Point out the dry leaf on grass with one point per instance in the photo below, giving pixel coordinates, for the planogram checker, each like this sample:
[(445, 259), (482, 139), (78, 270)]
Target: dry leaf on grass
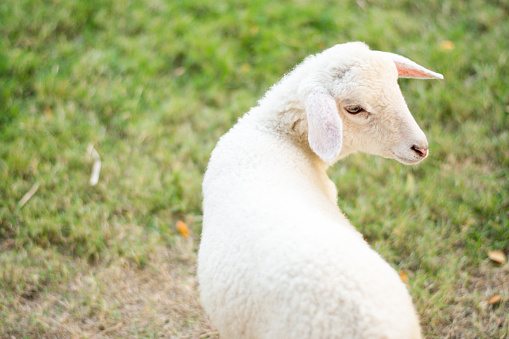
[(497, 256), (447, 45), (183, 229), (494, 299), (404, 276)]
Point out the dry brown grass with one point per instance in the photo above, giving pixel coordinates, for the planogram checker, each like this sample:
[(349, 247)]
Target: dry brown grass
[(470, 312), (120, 301)]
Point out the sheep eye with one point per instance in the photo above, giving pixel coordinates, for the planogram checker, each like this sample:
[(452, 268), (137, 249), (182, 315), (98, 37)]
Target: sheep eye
[(354, 109)]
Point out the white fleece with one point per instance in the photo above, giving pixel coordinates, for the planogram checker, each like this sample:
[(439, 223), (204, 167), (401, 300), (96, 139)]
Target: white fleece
[(277, 257)]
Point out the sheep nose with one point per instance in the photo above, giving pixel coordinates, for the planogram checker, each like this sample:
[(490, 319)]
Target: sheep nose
[(421, 151)]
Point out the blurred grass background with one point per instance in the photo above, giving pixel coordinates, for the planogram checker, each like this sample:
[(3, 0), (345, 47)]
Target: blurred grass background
[(153, 84)]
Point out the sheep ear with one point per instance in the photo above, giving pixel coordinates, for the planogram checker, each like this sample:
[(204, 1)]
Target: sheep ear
[(325, 129), (409, 69)]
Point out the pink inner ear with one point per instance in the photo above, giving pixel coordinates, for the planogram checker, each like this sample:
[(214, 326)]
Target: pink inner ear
[(404, 72), (413, 70), (410, 73), (409, 69)]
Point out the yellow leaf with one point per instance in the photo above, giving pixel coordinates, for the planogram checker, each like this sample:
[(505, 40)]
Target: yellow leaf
[(497, 256), (254, 30), (183, 229), (494, 299), (404, 276), (244, 68), (447, 45)]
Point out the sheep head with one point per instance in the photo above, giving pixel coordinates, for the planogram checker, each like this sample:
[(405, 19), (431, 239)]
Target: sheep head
[(353, 103)]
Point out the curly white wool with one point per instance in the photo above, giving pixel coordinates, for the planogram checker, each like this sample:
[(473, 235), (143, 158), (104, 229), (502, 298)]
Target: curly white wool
[(277, 258)]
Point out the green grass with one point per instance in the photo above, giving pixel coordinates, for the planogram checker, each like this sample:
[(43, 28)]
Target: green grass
[(153, 84)]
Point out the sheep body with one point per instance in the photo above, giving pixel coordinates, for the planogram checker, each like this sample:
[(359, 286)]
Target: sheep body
[(277, 257)]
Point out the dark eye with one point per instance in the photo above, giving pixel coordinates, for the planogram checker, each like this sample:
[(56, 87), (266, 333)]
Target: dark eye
[(354, 109)]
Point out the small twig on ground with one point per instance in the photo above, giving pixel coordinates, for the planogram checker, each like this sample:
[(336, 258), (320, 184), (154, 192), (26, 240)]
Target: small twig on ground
[(28, 195), (96, 168), (208, 334)]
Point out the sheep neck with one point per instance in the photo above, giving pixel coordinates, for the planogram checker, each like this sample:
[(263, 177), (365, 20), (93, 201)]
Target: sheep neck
[(289, 129)]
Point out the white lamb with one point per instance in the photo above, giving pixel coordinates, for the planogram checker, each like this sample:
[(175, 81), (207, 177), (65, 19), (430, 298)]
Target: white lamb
[(277, 258)]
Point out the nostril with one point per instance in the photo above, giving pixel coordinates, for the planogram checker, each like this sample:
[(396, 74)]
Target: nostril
[(420, 151)]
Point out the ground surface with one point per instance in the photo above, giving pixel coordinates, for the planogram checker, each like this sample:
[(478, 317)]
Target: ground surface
[(151, 85)]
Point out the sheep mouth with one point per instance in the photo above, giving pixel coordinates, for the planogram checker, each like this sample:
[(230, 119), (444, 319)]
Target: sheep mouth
[(407, 161)]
